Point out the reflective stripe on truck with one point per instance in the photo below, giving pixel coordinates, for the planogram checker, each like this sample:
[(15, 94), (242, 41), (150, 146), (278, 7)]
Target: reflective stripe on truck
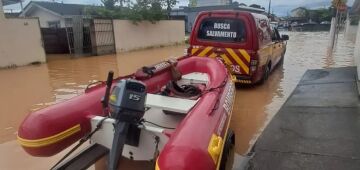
[(231, 56)]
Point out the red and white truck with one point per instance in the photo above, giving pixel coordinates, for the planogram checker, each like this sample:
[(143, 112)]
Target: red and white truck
[(245, 41)]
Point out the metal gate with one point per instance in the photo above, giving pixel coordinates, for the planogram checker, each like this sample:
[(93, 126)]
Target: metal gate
[(90, 36), (55, 40), (102, 36), (78, 33)]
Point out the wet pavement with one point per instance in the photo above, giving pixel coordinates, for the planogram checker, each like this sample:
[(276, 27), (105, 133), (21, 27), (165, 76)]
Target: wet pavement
[(30, 88), (318, 126)]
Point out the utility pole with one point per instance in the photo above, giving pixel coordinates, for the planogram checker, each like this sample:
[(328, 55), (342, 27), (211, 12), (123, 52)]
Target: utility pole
[(168, 9), (269, 8), (21, 5)]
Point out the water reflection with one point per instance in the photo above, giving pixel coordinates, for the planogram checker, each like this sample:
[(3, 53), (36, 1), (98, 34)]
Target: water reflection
[(33, 87), (21, 88), (250, 107)]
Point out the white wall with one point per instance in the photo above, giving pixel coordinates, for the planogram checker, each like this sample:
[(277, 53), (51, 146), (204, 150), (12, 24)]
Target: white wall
[(357, 52), (145, 34), (351, 32), (20, 42), (45, 17)]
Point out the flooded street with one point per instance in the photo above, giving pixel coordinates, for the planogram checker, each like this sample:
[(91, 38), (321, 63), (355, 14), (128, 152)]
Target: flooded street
[(256, 106), (30, 88)]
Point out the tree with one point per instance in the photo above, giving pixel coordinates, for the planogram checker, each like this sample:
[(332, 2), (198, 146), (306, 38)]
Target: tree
[(192, 3), (337, 3), (320, 15), (235, 3), (148, 10), (124, 2), (169, 5), (354, 20), (303, 12), (156, 12), (109, 4), (242, 4), (255, 6), (300, 12)]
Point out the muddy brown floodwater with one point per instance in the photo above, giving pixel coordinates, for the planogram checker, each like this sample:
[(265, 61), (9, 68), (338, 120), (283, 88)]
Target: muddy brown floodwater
[(30, 88)]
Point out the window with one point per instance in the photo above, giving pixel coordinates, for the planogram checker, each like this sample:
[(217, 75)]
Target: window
[(54, 24), (219, 29), (275, 35)]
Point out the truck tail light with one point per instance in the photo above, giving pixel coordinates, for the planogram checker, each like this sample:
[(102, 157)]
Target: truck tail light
[(188, 51), (253, 65)]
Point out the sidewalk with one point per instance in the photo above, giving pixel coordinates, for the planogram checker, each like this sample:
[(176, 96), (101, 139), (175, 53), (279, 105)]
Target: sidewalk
[(317, 128)]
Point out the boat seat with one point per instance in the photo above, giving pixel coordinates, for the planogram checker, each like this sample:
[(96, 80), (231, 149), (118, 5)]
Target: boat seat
[(194, 78), (172, 104)]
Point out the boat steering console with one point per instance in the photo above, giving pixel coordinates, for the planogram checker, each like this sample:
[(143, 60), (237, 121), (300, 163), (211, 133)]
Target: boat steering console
[(127, 106)]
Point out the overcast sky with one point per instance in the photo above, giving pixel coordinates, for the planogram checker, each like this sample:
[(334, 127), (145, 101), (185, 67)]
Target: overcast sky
[(279, 7)]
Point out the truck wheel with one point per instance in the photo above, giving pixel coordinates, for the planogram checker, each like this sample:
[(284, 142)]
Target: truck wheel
[(238, 85), (265, 75), (281, 62), (228, 146)]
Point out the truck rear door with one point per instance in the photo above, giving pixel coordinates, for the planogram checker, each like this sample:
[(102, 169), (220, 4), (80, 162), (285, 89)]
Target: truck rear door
[(226, 37)]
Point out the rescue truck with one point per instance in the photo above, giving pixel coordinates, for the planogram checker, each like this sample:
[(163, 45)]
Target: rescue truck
[(244, 41)]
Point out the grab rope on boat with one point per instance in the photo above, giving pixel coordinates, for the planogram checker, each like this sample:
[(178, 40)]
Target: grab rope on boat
[(145, 121), (216, 106), (81, 141)]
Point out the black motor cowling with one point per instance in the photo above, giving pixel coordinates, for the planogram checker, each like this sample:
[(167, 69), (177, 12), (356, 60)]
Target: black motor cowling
[(127, 101)]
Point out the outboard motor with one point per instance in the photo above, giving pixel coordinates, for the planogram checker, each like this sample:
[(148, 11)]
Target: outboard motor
[(127, 107)]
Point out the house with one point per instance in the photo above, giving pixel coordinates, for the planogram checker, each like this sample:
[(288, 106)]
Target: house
[(12, 14), (299, 12), (53, 14)]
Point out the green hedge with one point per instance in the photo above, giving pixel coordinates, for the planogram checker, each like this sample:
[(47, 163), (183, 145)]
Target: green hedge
[(354, 20)]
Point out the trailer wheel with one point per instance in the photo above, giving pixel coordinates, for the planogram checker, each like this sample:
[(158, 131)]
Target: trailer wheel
[(229, 144)]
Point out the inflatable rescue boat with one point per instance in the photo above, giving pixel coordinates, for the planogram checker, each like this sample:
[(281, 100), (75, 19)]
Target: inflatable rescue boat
[(175, 113)]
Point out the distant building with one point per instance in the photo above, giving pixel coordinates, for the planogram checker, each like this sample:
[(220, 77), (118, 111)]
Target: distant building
[(188, 14), (4, 3), (201, 3), (12, 15), (299, 12), (9, 2), (52, 14)]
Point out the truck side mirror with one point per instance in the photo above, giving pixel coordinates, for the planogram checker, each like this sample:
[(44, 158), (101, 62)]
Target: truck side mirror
[(285, 37)]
